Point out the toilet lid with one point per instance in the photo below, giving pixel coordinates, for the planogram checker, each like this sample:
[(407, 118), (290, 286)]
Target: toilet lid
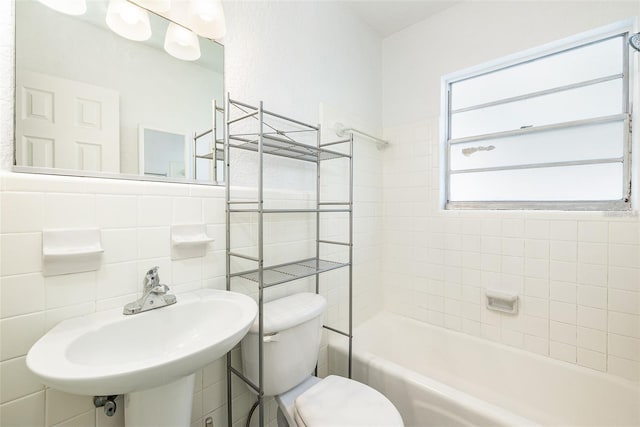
[(338, 401)]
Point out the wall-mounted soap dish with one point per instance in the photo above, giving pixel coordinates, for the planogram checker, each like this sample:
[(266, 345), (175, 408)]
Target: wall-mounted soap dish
[(189, 241), (504, 301), (70, 251)]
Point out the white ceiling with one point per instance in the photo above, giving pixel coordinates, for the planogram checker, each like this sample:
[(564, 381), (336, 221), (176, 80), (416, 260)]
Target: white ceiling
[(389, 16)]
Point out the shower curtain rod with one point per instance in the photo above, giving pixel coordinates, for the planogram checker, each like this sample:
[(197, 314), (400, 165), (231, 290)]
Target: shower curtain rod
[(342, 131)]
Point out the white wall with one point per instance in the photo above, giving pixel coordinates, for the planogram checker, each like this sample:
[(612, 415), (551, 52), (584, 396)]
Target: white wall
[(577, 273), (293, 56)]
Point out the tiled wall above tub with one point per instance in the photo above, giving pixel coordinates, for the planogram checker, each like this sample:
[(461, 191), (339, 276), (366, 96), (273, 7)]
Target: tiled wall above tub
[(134, 219), (577, 273)]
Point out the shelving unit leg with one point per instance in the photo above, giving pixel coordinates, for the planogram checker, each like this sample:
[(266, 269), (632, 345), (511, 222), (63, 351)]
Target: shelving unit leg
[(318, 214), (260, 266), (227, 192), (350, 252)]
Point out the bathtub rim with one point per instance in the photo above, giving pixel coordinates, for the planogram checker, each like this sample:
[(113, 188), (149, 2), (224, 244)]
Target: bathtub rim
[(620, 381)]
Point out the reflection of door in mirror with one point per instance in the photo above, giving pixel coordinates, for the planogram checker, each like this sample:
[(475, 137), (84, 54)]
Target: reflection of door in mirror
[(163, 153), (66, 124)]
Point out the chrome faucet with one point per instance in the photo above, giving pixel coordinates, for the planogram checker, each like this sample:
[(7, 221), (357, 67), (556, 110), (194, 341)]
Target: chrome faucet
[(154, 295)]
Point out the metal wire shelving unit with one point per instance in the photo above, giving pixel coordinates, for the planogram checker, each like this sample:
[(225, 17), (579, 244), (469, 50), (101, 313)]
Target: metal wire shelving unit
[(281, 141), (215, 149)]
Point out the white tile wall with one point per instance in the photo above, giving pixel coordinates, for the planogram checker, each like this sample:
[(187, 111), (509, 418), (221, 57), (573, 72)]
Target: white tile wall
[(135, 220), (577, 274), (135, 230)]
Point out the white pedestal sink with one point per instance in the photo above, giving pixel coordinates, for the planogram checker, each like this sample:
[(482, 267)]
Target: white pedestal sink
[(149, 357)]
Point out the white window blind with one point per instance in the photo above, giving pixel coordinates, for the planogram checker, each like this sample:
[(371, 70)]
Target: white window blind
[(547, 132)]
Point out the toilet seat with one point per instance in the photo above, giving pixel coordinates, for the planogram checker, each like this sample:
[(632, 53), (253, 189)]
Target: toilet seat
[(338, 401)]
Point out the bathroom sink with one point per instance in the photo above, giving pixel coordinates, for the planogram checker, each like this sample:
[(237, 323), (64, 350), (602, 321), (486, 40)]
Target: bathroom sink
[(108, 353)]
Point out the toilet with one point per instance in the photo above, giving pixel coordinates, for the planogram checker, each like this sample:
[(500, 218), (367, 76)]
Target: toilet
[(292, 329)]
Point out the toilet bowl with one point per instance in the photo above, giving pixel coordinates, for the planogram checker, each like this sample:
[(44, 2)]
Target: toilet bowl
[(292, 329)]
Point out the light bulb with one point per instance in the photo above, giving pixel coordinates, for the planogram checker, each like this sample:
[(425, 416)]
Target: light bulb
[(128, 20), (205, 9), (129, 14), (181, 43), (184, 37), (206, 18)]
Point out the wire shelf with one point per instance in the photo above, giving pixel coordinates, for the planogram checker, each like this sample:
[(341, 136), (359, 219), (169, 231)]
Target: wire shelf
[(290, 211), (209, 156), (270, 134), (283, 273), (286, 148)]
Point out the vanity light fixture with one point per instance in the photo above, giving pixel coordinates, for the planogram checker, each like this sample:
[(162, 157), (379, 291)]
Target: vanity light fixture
[(128, 20), (181, 43), (206, 18), (70, 7), (131, 21)]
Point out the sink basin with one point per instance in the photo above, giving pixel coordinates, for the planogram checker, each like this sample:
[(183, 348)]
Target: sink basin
[(108, 353)]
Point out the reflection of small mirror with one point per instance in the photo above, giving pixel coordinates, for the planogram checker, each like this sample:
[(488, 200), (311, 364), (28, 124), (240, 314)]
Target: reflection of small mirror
[(163, 154), (83, 94)]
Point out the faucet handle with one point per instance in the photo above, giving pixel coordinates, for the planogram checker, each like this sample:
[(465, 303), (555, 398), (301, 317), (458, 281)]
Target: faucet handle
[(152, 278), (160, 289)]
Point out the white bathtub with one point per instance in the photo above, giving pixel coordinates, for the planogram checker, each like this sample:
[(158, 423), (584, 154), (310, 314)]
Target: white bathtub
[(437, 377)]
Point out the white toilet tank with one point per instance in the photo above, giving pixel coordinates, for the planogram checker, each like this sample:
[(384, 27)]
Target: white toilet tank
[(292, 331)]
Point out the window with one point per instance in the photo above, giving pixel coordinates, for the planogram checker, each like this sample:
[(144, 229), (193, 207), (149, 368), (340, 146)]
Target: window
[(544, 131)]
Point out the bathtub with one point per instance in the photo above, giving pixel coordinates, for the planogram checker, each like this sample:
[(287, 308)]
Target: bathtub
[(437, 377)]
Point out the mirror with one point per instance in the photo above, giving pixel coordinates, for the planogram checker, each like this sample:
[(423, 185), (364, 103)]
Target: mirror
[(92, 103), (164, 154)]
